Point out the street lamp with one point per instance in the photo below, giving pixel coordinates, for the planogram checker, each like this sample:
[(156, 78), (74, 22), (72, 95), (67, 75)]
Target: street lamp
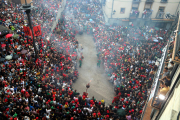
[(27, 8)]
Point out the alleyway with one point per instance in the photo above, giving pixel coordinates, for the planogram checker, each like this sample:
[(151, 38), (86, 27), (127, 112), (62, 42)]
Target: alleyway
[(99, 86)]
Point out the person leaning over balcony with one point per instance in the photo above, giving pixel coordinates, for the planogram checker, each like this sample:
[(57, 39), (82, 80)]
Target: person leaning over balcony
[(166, 80), (165, 73), (164, 89), (162, 92), (172, 65)]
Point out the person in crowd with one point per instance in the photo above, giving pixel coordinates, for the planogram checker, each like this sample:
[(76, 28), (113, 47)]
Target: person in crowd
[(165, 73), (41, 88), (162, 92)]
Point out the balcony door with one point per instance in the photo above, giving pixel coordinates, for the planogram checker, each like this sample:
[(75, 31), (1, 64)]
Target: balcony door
[(161, 9), (160, 13), (147, 6), (135, 6)]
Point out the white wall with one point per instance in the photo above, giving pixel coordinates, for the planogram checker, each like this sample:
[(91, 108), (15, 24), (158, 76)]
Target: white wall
[(107, 8), (141, 7), (118, 4), (105, 15), (170, 6)]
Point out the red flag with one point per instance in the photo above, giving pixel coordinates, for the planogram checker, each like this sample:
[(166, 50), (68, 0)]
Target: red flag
[(27, 31), (37, 30)]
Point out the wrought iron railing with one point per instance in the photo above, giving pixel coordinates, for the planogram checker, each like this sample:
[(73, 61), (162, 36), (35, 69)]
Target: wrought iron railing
[(176, 49), (147, 15), (160, 15), (134, 15)]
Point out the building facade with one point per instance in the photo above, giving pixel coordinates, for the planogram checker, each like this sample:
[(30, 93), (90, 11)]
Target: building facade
[(140, 12)]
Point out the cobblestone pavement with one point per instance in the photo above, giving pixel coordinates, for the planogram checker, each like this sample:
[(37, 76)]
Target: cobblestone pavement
[(100, 87)]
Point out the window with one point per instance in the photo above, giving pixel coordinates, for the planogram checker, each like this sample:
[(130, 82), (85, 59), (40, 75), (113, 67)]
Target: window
[(164, 1), (122, 11), (135, 6), (161, 9), (147, 6)]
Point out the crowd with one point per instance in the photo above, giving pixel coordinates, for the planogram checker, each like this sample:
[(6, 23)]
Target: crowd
[(42, 88), (36, 88), (130, 55), (165, 78)]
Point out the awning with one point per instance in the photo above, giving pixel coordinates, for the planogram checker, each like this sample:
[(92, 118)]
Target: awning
[(162, 20)]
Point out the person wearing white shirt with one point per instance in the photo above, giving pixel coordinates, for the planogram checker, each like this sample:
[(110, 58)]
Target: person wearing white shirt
[(1, 78), (12, 89), (26, 99), (48, 111)]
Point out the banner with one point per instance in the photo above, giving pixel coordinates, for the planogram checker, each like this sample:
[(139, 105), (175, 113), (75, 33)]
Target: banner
[(27, 31), (154, 84), (37, 30)]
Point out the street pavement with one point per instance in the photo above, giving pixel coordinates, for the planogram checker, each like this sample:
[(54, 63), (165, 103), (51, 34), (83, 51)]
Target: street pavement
[(100, 87)]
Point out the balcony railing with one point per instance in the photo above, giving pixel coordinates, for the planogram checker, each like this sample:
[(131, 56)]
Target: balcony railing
[(176, 49), (156, 83), (134, 15), (147, 15), (149, 0), (160, 15)]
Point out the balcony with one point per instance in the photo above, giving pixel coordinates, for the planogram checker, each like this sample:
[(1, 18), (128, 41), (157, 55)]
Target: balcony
[(136, 1), (146, 15), (134, 15), (160, 15), (176, 47), (149, 1), (157, 99)]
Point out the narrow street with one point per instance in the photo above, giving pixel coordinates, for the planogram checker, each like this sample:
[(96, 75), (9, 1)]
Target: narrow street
[(100, 87)]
